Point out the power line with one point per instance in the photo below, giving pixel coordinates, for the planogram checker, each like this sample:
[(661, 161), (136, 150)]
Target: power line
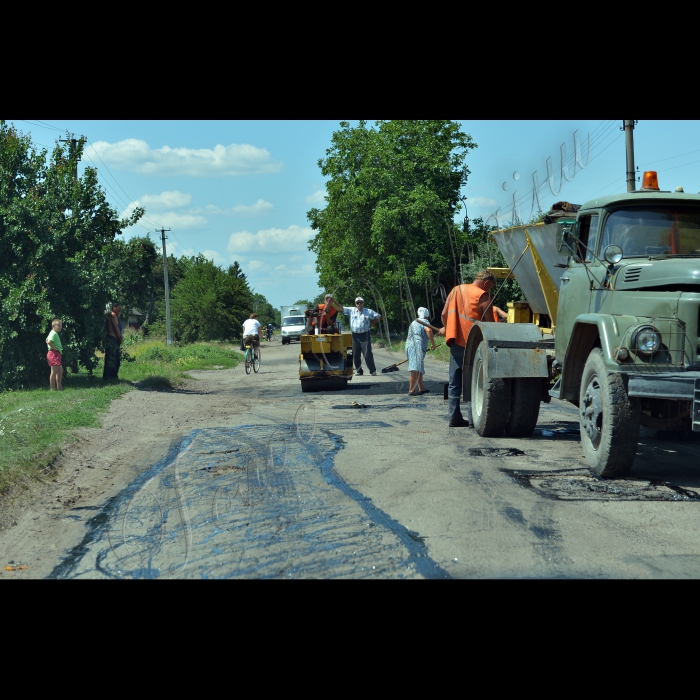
[(607, 129)]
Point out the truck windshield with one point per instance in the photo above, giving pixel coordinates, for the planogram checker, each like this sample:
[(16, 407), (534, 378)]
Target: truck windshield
[(654, 230), (293, 321)]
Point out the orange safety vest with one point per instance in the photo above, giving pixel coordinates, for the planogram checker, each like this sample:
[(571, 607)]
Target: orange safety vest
[(328, 317), (462, 312)]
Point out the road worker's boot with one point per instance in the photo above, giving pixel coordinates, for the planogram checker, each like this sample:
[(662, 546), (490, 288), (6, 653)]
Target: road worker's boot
[(454, 414)]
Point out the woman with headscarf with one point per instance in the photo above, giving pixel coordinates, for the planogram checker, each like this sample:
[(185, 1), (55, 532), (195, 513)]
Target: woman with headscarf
[(419, 336)]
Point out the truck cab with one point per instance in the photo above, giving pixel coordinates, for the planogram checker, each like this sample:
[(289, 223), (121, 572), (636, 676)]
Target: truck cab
[(623, 345)]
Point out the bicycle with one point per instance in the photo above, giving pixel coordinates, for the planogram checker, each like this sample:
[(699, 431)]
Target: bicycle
[(268, 334), (252, 356)]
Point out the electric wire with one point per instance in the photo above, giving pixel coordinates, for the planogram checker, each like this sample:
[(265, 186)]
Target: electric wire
[(606, 130), (114, 194)]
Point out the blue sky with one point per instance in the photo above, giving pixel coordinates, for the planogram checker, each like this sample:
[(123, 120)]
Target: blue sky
[(240, 190)]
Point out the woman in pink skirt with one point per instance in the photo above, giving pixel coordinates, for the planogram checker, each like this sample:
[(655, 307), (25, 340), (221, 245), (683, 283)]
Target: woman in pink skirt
[(53, 341)]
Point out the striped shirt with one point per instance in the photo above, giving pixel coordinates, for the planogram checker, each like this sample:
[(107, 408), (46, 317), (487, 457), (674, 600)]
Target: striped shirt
[(360, 320)]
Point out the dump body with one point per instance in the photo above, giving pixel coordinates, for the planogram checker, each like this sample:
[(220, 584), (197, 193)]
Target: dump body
[(512, 242)]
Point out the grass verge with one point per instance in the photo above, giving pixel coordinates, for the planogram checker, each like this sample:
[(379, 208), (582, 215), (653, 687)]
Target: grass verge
[(34, 424), (441, 352)]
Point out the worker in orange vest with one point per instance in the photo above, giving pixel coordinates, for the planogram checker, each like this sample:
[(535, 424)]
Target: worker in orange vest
[(326, 320), (465, 305)]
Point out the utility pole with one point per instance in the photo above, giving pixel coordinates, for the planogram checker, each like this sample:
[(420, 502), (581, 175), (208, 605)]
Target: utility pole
[(628, 127), (167, 288)]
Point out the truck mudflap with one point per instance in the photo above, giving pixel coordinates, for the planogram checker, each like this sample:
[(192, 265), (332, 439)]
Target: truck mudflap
[(514, 350), (682, 386), (696, 407)]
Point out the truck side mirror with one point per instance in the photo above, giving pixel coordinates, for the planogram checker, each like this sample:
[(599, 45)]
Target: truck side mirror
[(566, 236)]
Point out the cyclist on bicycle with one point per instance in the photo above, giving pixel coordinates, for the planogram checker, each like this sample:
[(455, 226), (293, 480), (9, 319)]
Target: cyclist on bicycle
[(251, 330), (268, 330)]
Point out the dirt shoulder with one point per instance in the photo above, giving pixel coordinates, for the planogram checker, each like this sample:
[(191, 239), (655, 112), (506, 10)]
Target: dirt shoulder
[(40, 521)]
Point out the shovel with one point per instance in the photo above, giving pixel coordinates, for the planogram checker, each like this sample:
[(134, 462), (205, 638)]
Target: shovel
[(395, 368)]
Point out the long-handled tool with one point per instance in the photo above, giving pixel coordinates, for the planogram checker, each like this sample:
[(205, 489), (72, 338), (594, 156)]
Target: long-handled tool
[(395, 368), (427, 325)]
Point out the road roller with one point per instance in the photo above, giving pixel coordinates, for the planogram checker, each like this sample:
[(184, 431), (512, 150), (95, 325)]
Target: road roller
[(325, 361)]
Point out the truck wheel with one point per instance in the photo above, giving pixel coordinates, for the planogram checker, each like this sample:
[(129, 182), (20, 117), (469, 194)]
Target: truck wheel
[(609, 419), (490, 407), (525, 406)]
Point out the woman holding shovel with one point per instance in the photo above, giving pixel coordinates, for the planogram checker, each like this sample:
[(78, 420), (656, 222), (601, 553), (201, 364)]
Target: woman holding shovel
[(419, 336)]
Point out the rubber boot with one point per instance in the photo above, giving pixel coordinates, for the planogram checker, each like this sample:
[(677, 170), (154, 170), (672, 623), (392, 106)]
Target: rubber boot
[(454, 414)]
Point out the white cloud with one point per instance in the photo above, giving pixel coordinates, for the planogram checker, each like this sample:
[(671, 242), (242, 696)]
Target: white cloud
[(175, 220), (137, 155), (260, 208), (293, 239), (167, 219), (165, 200), (317, 197), (256, 265), (481, 202), (216, 257)]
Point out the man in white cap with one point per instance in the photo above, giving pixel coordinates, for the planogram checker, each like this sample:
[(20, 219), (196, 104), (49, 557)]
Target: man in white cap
[(361, 320)]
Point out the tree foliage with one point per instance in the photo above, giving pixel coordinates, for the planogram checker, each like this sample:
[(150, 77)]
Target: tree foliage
[(266, 312), (392, 194), (209, 303), (57, 238)]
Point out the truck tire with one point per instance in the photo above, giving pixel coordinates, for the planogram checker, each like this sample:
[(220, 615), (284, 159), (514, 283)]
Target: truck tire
[(525, 406), (609, 419), (490, 404)]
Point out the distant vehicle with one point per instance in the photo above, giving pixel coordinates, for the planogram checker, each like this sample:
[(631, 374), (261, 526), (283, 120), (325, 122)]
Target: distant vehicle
[(293, 322)]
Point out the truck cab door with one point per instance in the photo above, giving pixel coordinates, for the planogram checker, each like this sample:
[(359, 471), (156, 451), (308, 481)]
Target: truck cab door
[(575, 288)]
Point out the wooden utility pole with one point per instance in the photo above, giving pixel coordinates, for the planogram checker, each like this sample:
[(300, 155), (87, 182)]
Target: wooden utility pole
[(628, 127), (167, 288)]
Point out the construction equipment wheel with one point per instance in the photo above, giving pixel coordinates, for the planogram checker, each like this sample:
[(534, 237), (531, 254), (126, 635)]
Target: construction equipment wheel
[(490, 407), (609, 419), (324, 384), (525, 406)]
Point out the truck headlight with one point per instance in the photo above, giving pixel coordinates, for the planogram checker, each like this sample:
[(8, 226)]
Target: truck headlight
[(647, 340)]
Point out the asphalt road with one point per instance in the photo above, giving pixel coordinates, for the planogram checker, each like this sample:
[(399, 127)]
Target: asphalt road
[(371, 483)]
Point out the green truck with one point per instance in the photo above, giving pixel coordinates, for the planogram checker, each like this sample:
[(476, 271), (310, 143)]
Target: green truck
[(612, 325)]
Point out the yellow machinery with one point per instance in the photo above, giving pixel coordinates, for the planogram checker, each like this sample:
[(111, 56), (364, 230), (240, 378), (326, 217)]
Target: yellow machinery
[(325, 361)]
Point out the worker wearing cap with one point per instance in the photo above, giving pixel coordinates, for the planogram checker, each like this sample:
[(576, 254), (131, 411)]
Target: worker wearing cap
[(465, 305), (361, 320)]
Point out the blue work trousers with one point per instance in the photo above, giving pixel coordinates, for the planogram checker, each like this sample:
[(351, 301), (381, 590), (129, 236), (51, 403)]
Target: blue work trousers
[(456, 360)]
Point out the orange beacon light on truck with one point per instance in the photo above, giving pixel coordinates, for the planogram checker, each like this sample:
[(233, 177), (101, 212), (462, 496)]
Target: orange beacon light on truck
[(650, 180)]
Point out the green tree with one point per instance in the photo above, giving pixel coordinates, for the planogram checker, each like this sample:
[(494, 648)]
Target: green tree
[(209, 303), (266, 312), (135, 265), (392, 193), (57, 238)]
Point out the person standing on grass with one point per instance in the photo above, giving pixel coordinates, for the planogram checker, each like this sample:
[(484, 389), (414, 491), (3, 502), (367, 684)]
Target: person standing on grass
[(54, 356), (113, 341)]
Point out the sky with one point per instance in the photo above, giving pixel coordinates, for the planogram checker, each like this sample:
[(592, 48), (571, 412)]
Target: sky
[(240, 190)]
